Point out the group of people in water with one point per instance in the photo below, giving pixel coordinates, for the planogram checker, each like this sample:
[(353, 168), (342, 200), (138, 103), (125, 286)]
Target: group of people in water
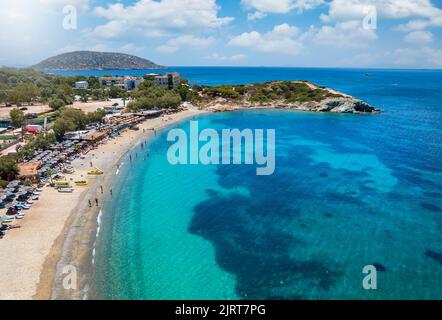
[(143, 145)]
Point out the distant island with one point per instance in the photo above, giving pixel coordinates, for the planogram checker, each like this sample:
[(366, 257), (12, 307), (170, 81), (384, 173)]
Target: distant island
[(91, 60)]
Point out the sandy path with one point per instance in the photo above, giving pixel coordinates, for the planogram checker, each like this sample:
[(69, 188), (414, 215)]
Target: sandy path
[(28, 256)]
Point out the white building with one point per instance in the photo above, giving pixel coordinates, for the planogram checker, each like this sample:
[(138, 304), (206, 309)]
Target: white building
[(81, 85)]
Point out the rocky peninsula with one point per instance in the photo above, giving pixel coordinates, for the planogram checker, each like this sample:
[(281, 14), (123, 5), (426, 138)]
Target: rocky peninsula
[(296, 95)]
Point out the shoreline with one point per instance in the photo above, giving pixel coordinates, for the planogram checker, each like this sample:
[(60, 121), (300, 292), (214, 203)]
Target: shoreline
[(72, 240), (77, 246), (60, 229)]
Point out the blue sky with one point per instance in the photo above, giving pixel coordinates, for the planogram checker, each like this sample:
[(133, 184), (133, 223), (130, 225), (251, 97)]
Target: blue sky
[(304, 33)]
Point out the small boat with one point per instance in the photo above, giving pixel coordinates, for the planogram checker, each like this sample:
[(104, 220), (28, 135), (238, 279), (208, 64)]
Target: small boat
[(66, 190), (95, 172), (35, 197), (19, 216), (81, 183)]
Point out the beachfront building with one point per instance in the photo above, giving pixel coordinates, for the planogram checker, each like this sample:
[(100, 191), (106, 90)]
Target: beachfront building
[(169, 80), (126, 82), (81, 85)]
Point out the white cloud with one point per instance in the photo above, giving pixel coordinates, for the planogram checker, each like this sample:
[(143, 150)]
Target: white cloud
[(174, 45), (422, 13), (233, 58), (263, 7), (422, 57), (419, 37), (281, 6), (421, 24), (56, 6), (256, 16), (270, 6), (282, 39), (348, 34), (159, 18), (393, 9)]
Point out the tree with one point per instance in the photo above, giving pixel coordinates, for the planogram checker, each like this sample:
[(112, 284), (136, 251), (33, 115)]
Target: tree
[(63, 125), (96, 116), (18, 117), (114, 92), (40, 141), (24, 92), (8, 167), (56, 103), (76, 116)]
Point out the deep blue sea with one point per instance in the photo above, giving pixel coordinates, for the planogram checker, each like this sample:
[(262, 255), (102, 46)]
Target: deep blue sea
[(348, 191)]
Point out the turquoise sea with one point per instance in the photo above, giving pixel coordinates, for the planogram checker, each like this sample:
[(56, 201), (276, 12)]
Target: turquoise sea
[(348, 191)]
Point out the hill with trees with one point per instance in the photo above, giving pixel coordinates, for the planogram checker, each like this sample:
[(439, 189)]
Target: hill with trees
[(91, 60)]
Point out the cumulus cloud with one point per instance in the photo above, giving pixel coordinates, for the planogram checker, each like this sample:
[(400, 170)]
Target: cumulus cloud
[(174, 44), (159, 18), (392, 9), (281, 6), (263, 7), (282, 39), (348, 34), (419, 37)]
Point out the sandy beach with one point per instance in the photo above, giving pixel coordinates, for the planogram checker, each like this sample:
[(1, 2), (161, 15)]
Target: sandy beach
[(60, 229)]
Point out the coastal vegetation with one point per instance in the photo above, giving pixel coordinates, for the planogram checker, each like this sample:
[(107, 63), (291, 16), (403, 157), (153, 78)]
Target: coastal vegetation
[(288, 91), (27, 86), (149, 96), (70, 119)]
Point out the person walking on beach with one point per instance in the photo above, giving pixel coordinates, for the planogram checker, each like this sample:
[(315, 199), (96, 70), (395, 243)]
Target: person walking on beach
[(101, 187), (111, 192), (96, 202), (90, 203), (91, 164)]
